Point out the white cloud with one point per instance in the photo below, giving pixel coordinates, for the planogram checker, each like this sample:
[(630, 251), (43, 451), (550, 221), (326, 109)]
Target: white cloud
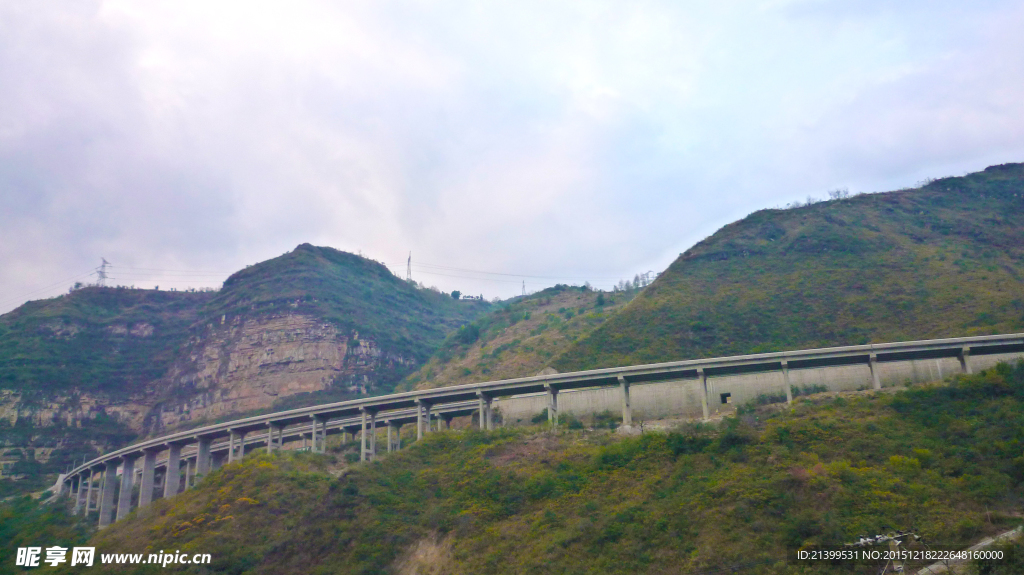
[(589, 139)]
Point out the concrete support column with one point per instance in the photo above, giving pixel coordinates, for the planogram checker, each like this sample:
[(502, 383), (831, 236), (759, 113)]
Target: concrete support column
[(190, 473), (703, 379), (421, 406), (447, 421), (785, 382), (552, 405), (232, 438), (482, 411), (173, 470), (148, 474), (107, 495), (362, 434), (490, 414), (319, 435), (204, 462), (373, 435), (965, 360), (124, 498), (78, 493), (872, 365), (88, 493), (627, 409), (270, 438)]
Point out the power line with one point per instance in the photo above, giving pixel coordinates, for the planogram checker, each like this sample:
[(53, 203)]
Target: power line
[(448, 268), (43, 289), (176, 271)]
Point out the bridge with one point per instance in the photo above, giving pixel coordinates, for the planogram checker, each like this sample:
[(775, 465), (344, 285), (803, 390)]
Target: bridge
[(203, 449)]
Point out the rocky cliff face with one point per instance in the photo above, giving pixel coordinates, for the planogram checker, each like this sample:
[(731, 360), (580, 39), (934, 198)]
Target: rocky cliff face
[(98, 367), (70, 409), (248, 363)]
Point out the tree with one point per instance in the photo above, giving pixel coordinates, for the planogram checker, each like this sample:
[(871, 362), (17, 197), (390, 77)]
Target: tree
[(456, 294)]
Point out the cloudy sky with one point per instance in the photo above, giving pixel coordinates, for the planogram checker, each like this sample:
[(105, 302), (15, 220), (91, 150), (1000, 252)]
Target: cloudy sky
[(550, 141)]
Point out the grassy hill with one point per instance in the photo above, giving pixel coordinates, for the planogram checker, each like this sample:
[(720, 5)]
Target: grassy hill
[(519, 338), (947, 460), (355, 293), (946, 259), (95, 339)]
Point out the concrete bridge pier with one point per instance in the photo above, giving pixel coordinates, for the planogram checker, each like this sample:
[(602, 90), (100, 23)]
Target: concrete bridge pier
[(190, 473), (876, 383), (703, 393), (486, 419), (107, 493), (77, 491), (203, 459), (552, 405), (88, 494), (396, 438), (785, 382), (627, 409), (422, 410), (373, 435), (965, 360), (319, 434), (236, 445), (275, 437), (124, 499), (146, 482), (172, 472), (447, 421), (368, 444)]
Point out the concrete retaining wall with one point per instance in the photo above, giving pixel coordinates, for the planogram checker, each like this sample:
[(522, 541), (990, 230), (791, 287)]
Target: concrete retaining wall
[(682, 398)]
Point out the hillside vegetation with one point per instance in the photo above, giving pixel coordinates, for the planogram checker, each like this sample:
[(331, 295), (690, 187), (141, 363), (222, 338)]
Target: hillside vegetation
[(357, 294), (943, 260), (947, 460), (95, 339), (518, 338)]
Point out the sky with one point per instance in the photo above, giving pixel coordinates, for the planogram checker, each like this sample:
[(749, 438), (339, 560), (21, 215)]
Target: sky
[(538, 142)]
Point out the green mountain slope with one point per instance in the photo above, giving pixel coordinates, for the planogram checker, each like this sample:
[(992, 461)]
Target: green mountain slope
[(943, 260), (519, 338), (945, 460), (355, 293), (95, 339)]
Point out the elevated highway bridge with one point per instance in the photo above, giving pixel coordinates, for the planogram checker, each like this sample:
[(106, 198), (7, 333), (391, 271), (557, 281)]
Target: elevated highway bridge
[(184, 457)]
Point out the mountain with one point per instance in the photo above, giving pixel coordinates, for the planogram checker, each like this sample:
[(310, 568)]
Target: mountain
[(520, 337), (313, 325), (99, 366), (942, 260)]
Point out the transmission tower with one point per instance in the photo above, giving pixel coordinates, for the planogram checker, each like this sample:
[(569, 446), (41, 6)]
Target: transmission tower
[(408, 269), (101, 273)]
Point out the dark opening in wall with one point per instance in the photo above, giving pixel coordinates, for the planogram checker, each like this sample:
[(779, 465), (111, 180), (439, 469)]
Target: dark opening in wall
[(726, 398)]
